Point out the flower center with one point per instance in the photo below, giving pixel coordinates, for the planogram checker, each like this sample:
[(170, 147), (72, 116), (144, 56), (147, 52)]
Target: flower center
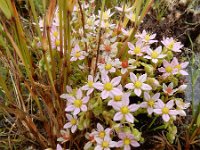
[(138, 84), (102, 134), (168, 69), (165, 110), (147, 37), (169, 90), (127, 141), (124, 110), (55, 33), (78, 103), (90, 84), (73, 121), (154, 54), (125, 64), (151, 103), (137, 50), (108, 66), (78, 54), (105, 16), (107, 48), (118, 98), (108, 86), (57, 42), (105, 144), (178, 67), (171, 45)]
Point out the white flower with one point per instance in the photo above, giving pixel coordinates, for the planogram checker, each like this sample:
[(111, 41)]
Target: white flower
[(77, 103), (126, 141), (146, 37), (169, 89), (181, 106), (108, 66), (125, 9), (73, 122), (108, 48), (125, 110), (137, 50), (77, 53), (171, 44), (165, 109), (108, 88), (119, 98), (104, 144), (101, 132), (126, 65), (150, 102), (89, 87), (155, 55), (138, 84)]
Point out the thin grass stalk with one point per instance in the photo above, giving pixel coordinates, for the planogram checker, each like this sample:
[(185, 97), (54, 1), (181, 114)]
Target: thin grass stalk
[(99, 36), (65, 70), (6, 91), (35, 18), (23, 45)]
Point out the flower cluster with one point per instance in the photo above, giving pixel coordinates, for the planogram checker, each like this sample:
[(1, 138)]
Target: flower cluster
[(108, 97)]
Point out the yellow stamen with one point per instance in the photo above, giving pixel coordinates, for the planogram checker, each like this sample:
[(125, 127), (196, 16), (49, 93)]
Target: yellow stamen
[(73, 121), (108, 86), (105, 144), (154, 54), (78, 103), (78, 54), (165, 110), (127, 141), (90, 84), (102, 134), (108, 66), (137, 50), (151, 103), (124, 110), (118, 98), (138, 84), (168, 69)]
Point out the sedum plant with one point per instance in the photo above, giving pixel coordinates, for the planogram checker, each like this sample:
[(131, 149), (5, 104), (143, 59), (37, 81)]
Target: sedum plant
[(90, 76)]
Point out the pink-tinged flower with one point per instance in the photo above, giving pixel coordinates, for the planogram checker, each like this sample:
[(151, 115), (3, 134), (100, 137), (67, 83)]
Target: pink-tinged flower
[(138, 84), (126, 33), (65, 136), (126, 141), (126, 65), (108, 66), (58, 147), (146, 37), (125, 9), (180, 66), (125, 110), (77, 103), (108, 48), (182, 88), (101, 132), (150, 102), (155, 55), (137, 50), (169, 89), (73, 122), (165, 109), (104, 144), (89, 87), (77, 53), (118, 99), (171, 44), (168, 69), (181, 106), (108, 88), (91, 141)]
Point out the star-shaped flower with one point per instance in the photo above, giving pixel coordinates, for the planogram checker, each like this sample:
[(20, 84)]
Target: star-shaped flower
[(165, 109), (125, 110), (155, 55), (77, 103), (138, 84), (108, 88)]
